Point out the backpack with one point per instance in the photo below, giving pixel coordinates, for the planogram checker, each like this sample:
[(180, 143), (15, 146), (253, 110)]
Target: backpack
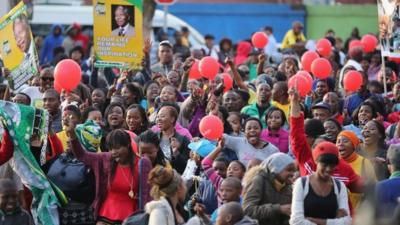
[(137, 218)]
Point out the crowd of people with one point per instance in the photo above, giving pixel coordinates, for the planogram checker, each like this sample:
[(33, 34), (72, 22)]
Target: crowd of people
[(131, 143)]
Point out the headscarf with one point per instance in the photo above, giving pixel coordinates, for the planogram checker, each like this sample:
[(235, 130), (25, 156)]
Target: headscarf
[(89, 135)]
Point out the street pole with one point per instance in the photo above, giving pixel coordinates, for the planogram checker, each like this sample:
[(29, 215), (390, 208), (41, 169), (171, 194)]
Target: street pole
[(165, 28)]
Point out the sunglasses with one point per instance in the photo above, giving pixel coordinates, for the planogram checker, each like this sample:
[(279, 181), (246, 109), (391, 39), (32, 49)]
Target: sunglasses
[(47, 78)]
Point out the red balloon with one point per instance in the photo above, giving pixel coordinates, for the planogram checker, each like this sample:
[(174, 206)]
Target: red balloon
[(259, 39), (67, 74), (324, 47), (303, 86), (228, 81), (307, 59), (356, 44), (211, 127), (306, 75), (194, 72), (352, 80), (208, 67), (321, 68), (369, 42)]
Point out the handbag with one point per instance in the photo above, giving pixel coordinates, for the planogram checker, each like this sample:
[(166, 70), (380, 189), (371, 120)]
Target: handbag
[(74, 178)]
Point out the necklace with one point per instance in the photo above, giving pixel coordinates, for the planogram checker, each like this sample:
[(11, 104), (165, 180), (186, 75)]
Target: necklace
[(130, 193)]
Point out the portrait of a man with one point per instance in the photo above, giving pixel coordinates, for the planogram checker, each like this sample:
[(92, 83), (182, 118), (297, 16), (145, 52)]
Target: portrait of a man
[(123, 21), (22, 35)]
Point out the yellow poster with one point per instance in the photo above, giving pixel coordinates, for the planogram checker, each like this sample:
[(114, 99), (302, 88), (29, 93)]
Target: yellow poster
[(117, 31), (18, 49)]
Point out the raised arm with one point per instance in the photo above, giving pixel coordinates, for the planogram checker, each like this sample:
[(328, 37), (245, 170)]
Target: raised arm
[(298, 139), (209, 171), (236, 76)]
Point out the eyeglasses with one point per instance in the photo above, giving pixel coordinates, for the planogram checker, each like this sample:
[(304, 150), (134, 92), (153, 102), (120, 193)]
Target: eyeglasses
[(47, 78)]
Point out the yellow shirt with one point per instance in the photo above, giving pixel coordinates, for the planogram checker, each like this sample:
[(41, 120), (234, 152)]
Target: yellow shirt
[(291, 39), (62, 135), (364, 168), (285, 108), (253, 96)]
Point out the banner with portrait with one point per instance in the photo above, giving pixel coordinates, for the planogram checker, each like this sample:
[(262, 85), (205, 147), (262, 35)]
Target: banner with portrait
[(18, 49), (389, 27), (117, 31)]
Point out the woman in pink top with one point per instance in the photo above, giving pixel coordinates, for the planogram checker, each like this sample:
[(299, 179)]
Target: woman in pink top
[(274, 133)]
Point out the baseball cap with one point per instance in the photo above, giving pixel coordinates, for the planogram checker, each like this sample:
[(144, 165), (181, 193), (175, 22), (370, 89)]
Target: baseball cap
[(321, 105), (202, 147)]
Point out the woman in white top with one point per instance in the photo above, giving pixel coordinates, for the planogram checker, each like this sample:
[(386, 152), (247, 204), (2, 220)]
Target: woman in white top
[(319, 198), (251, 146)]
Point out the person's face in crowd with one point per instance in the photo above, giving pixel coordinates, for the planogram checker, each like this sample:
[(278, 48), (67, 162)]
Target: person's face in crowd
[(231, 101), (165, 54), (20, 99), (193, 86), (220, 168), (286, 176), (275, 120), (152, 92), (324, 171), (263, 93), (209, 42), (97, 117), (364, 85), (120, 17), (252, 132), (332, 100), (116, 117), (345, 146), (331, 130), (197, 54), (364, 114), (120, 154), (133, 119), (228, 193), (178, 37), (297, 29), (162, 81), (235, 170), (376, 60), (168, 94), (8, 199), (98, 98), (371, 133), (375, 89), (35, 82), (164, 119), (234, 121), (365, 64), (276, 92), (46, 80), (322, 89), (69, 117), (173, 78), (57, 31), (129, 97), (226, 46), (76, 56), (321, 114), (245, 70), (148, 149), (51, 102), (22, 36)]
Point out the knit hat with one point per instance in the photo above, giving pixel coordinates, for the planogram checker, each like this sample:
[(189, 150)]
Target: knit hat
[(323, 148), (89, 135), (351, 136), (277, 162), (314, 128), (202, 147)]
